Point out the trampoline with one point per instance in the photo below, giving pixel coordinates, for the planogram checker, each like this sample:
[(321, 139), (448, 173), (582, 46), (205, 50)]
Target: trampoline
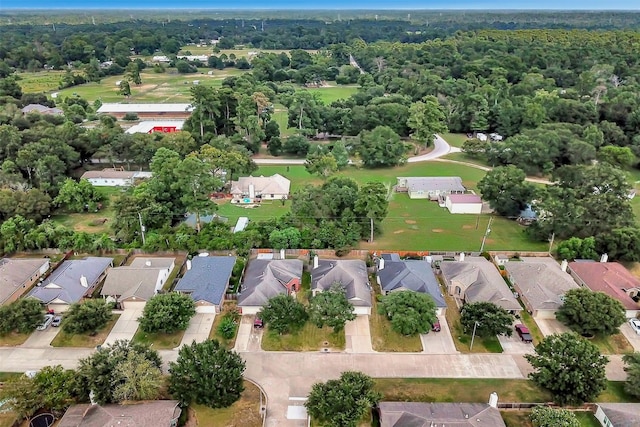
[(42, 420)]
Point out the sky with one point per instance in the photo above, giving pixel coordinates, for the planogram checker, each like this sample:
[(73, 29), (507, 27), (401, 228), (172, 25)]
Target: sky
[(325, 4)]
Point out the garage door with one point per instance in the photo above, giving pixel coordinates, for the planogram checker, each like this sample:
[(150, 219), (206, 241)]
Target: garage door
[(250, 309), (134, 304), (362, 310)]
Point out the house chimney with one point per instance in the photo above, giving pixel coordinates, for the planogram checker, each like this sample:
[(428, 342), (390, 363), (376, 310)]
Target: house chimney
[(282, 254), (381, 264), (83, 281), (604, 258), (315, 261), (461, 257), (563, 265), (493, 400), (188, 264)]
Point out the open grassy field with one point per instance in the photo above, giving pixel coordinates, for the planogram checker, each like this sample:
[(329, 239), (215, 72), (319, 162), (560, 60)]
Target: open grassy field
[(91, 222), (64, 339), (333, 93), (266, 210), (245, 412)]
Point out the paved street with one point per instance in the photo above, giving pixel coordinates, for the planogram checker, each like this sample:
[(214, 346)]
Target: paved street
[(198, 329), (126, 326)]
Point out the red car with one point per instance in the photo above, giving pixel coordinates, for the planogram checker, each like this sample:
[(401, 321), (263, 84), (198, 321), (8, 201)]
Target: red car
[(436, 326), (524, 333), (257, 323)]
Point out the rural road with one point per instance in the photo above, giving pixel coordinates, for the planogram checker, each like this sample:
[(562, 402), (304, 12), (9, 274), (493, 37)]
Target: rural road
[(440, 148)]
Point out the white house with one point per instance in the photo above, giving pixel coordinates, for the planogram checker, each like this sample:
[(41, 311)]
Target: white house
[(251, 189), (430, 187), (110, 177), (463, 203)]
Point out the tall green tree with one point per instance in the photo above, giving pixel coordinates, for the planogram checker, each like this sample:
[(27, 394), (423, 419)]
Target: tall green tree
[(410, 312), (283, 313), (486, 318), (137, 378), (506, 190), (372, 204), (381, 147), (591, 313), (331, 308), (632, 368), (78, 196), (87, 317), (427, 118), (167, 313), (198, 183)]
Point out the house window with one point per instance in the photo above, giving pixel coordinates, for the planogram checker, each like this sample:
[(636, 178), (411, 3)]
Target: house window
[(458, 290)]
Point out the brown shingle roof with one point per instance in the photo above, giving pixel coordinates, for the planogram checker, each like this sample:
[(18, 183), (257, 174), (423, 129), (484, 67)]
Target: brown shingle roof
[(158, 413)]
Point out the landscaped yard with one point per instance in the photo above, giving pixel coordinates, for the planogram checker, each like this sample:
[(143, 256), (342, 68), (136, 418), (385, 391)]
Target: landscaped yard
[(614, 344), (384, 338), (64, 339), (229, 306), (307, 338), (266, 210), (13, 339), (243, 413), (521, 419), (158, 341)]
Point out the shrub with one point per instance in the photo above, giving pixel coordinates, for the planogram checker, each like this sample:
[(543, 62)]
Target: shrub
[(130, 117)]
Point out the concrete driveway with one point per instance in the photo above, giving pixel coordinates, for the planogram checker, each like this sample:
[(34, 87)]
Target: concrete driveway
[(41, 339), (631, 335), (513, 344), (439, 342), (126, 326), (551, 326), (440, 148), (198, 329), (358, 335), (248, 338)]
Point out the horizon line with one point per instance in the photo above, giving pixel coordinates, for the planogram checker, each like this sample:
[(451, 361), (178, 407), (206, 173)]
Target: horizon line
[(222, 9)]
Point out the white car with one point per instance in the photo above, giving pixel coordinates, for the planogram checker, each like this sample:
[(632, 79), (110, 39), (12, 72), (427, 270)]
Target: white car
[(635, 325), (48, 318)]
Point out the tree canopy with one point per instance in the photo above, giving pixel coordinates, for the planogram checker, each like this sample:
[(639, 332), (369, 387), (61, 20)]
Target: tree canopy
[(410, 312), (591, 313), (167, 313), (86, 317), (283, 313), (331, 308), (486, 318)]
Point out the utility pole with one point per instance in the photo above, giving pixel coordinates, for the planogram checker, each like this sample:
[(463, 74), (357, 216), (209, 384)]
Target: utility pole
[(473, 337), (553, 236), (141, 229), (486, 233)]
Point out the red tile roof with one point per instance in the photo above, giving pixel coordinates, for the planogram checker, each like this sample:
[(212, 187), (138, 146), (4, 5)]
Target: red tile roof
[(608, 277)]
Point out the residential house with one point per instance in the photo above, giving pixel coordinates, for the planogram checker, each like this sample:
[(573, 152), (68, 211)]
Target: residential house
[(420, 414), (17, 275), (206, 281), (73, 280), (147, 111), (252, 189), (430, 187), (153, 126), (114, 177), (41, 109), (618, 414), (131, 286), (395, 274), (352, 277), (463, 203), (612, 279), (155, 413), (266, 278), (474, 279), (541, 284)]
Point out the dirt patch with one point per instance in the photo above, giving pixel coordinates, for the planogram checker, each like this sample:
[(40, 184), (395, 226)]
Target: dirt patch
[(406, 214), (398, 231), (490, 241), (409, 221), (467, 227), (437, 230)]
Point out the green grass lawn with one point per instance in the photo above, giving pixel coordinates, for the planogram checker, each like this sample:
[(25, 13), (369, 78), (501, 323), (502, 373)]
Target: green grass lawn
[(384, 338), (521, 418), (614, 344), (91, 222), (266, 210), (13, 339), (455, 139), (245, 412), (41, 81), (307, 338), (64, 339), (158, 341), (615, 392), (333, 93)]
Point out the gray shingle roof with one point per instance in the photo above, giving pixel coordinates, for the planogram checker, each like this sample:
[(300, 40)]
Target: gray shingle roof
[(274, 184), (14, 272), (158, 413), (540, 282), (124, 282), (156, 262), (64, 283), (434, 183), (622, 414), (265, 278), (208, 278), (483, 280), (411, 275), (351, 274), (418, 414)]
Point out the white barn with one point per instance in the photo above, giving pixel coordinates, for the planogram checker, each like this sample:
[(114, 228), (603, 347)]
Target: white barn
[(463, 203)]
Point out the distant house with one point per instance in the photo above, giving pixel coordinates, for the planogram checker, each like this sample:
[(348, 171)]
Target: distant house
[(419, 414), (133, 285), (155, 413), (190, 219), (147, 111), (352, 277), (541, 284), (71, 281), (17, 275), (253, 189), (266, 278), (206, 281), (612, 279), (463, 203), (160, 58), (430, 187), (474, 279), (153, 126), (110, 177), (395, 274), (527, 216), (41, 109), (618, 414)]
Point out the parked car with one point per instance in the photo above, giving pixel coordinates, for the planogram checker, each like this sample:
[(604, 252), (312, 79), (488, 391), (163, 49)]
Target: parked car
[(523, 333), (48, 318), (258, 323), (635, 325), (56, 321), (436, 326)]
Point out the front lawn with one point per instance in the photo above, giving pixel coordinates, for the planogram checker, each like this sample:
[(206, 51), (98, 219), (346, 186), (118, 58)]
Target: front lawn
[(159, 341), (307, 338), (13, 339), (64, 339), (229, 307), (243, 413), (613, 344), (384, 338)]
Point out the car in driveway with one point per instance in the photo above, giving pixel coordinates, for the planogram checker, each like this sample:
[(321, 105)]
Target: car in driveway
[(635, 325), (523, 333), (48, 318), (436, 326), (257, 323), (56, 321)]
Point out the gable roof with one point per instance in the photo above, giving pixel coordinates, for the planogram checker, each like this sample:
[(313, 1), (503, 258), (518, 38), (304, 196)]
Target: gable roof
[(144, 108), (350, 273), (208, 278), (464, 198), (42, 109), (14, 272), (274, 184), (418, 414), (65, 284), (109, 173), (153, 262), (266, 278), (434, 183), (608, 277), (157, 413), (540, 282), (412, 275), (622, 414), (127, 281), (483, 280)]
